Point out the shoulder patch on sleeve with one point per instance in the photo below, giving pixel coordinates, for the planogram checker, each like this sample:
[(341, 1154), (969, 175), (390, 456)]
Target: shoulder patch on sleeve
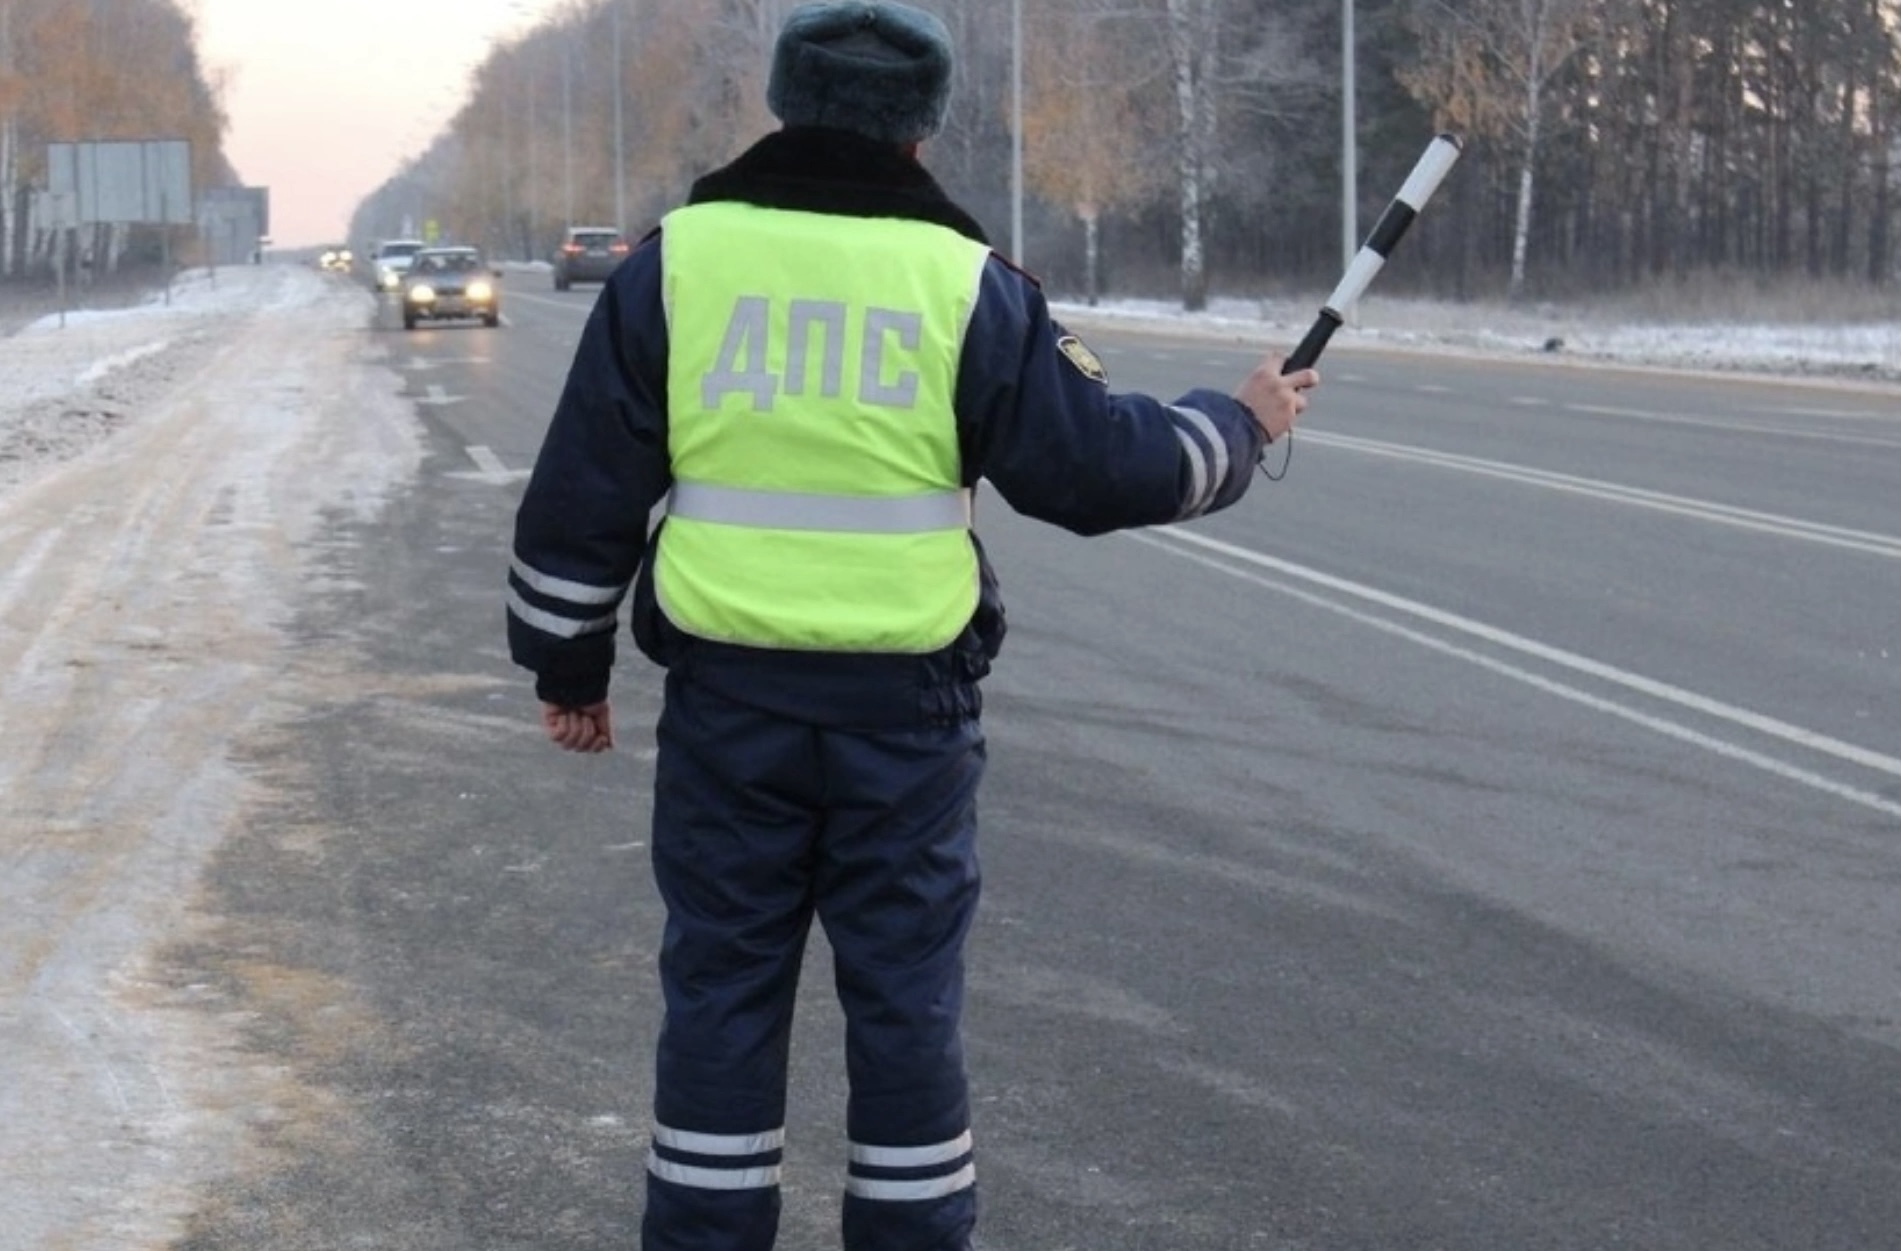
[(1086, 361)]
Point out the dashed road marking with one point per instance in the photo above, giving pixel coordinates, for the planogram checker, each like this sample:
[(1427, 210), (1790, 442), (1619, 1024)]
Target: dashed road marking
[(489, 467)]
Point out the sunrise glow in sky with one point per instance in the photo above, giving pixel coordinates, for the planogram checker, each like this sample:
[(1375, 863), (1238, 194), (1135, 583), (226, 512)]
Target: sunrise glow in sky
[(327, 100)]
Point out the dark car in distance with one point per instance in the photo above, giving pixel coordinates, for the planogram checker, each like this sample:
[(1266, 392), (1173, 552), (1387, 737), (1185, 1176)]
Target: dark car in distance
[(588, 254), (451, 282)]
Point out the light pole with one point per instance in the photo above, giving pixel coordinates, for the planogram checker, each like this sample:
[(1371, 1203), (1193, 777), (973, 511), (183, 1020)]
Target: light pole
[(1349, 154), (567, 126), (533, 207), (526, 56), (620, 132), (1016, 131)]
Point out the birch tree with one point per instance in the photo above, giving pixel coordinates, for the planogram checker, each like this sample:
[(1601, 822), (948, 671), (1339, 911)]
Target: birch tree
[(12, 92), (1229, 63), (1487, 67), (1193, 47), (1090, 142)]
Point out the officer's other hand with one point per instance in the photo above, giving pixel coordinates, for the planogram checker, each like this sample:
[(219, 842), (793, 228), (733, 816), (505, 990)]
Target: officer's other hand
[(1276, 399), (585, 729)]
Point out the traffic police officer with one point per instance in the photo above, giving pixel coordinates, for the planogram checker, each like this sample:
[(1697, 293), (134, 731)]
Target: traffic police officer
[(813, 363)]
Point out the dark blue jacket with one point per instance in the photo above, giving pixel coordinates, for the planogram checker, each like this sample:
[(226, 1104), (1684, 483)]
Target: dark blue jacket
[(1036, 420)]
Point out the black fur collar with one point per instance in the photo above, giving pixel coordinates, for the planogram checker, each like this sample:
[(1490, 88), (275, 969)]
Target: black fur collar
[(837, 172)]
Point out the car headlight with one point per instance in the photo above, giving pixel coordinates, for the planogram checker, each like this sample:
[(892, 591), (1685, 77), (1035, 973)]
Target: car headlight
[(422, 293), (480, 291)]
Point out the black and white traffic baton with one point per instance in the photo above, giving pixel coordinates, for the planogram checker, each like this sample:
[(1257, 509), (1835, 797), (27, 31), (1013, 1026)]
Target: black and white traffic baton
[(1373, 254), (1430, 170)]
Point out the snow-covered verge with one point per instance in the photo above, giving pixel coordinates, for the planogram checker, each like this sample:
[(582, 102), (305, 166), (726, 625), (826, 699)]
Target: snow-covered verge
[(1867, 350), (166, 478), (67, 381)]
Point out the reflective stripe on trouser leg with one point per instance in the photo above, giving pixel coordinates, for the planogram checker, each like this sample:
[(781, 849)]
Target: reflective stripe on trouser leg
[(733, 834), (712, 1190), (898, 886)]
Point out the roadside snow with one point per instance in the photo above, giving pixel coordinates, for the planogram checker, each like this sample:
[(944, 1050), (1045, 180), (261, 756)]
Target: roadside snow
[(166, 476), (1865, 350), (64, 388)]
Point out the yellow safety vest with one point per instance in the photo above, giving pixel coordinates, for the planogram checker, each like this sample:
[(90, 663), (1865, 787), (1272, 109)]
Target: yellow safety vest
[(818, 500)]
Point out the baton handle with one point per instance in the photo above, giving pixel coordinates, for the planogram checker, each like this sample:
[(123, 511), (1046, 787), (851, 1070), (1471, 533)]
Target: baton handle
[(1315, 343)]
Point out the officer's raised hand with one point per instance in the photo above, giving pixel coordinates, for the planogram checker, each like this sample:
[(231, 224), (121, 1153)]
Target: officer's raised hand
[(1276, 399)]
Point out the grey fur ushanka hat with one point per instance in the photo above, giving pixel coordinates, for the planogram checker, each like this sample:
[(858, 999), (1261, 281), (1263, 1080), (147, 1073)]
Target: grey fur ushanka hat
[(879, 70)]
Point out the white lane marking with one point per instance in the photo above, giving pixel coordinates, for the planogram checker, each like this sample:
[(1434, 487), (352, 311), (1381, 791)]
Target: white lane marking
[(1849, 414), (491, 466), (1530, 401), (485, 459), (580, 306), (1167, 538), (1684, 506), (1431, 388), (437, 396), (1717, 423)]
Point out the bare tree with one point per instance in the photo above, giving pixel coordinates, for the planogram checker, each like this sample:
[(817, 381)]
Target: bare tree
[(73, 70), (1194, 48), (1488, 67), (1090, 142), (1228, 62), (12, 92)]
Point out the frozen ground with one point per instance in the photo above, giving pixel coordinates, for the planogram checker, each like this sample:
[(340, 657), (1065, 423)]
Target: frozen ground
[(164, 473)]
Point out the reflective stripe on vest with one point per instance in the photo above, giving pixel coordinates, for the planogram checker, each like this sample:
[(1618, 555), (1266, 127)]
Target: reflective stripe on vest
[(836, 514), (818, 500)]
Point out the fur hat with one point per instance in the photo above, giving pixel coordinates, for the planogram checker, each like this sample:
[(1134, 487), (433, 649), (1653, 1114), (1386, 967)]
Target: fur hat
[(878, 69)]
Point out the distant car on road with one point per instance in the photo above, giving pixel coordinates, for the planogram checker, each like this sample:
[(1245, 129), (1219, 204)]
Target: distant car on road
[(588, 254), (451, 282), (391, 259), (336, 259)]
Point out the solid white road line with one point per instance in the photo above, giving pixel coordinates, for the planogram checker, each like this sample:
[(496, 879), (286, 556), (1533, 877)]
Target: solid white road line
[(1177, 541), (1685, 506), (1783, 430)]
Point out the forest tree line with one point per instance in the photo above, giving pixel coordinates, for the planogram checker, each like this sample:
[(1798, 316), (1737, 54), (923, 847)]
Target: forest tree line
[(75, 71), (1181, 146), (1167, 145)]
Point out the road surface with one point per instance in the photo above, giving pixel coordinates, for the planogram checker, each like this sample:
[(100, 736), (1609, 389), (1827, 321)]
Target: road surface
[(1485, 837)]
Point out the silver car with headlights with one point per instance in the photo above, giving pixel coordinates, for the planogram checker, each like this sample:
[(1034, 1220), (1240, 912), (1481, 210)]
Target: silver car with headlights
[(446, 283)]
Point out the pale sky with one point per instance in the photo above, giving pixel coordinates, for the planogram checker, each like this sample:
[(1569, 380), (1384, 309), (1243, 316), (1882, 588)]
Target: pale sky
[(327, 99)]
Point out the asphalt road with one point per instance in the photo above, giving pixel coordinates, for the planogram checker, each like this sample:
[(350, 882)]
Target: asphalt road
[(1485, 837)]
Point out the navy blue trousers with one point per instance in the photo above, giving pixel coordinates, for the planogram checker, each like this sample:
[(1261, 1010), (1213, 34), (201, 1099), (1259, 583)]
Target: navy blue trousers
[(761, 822)]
